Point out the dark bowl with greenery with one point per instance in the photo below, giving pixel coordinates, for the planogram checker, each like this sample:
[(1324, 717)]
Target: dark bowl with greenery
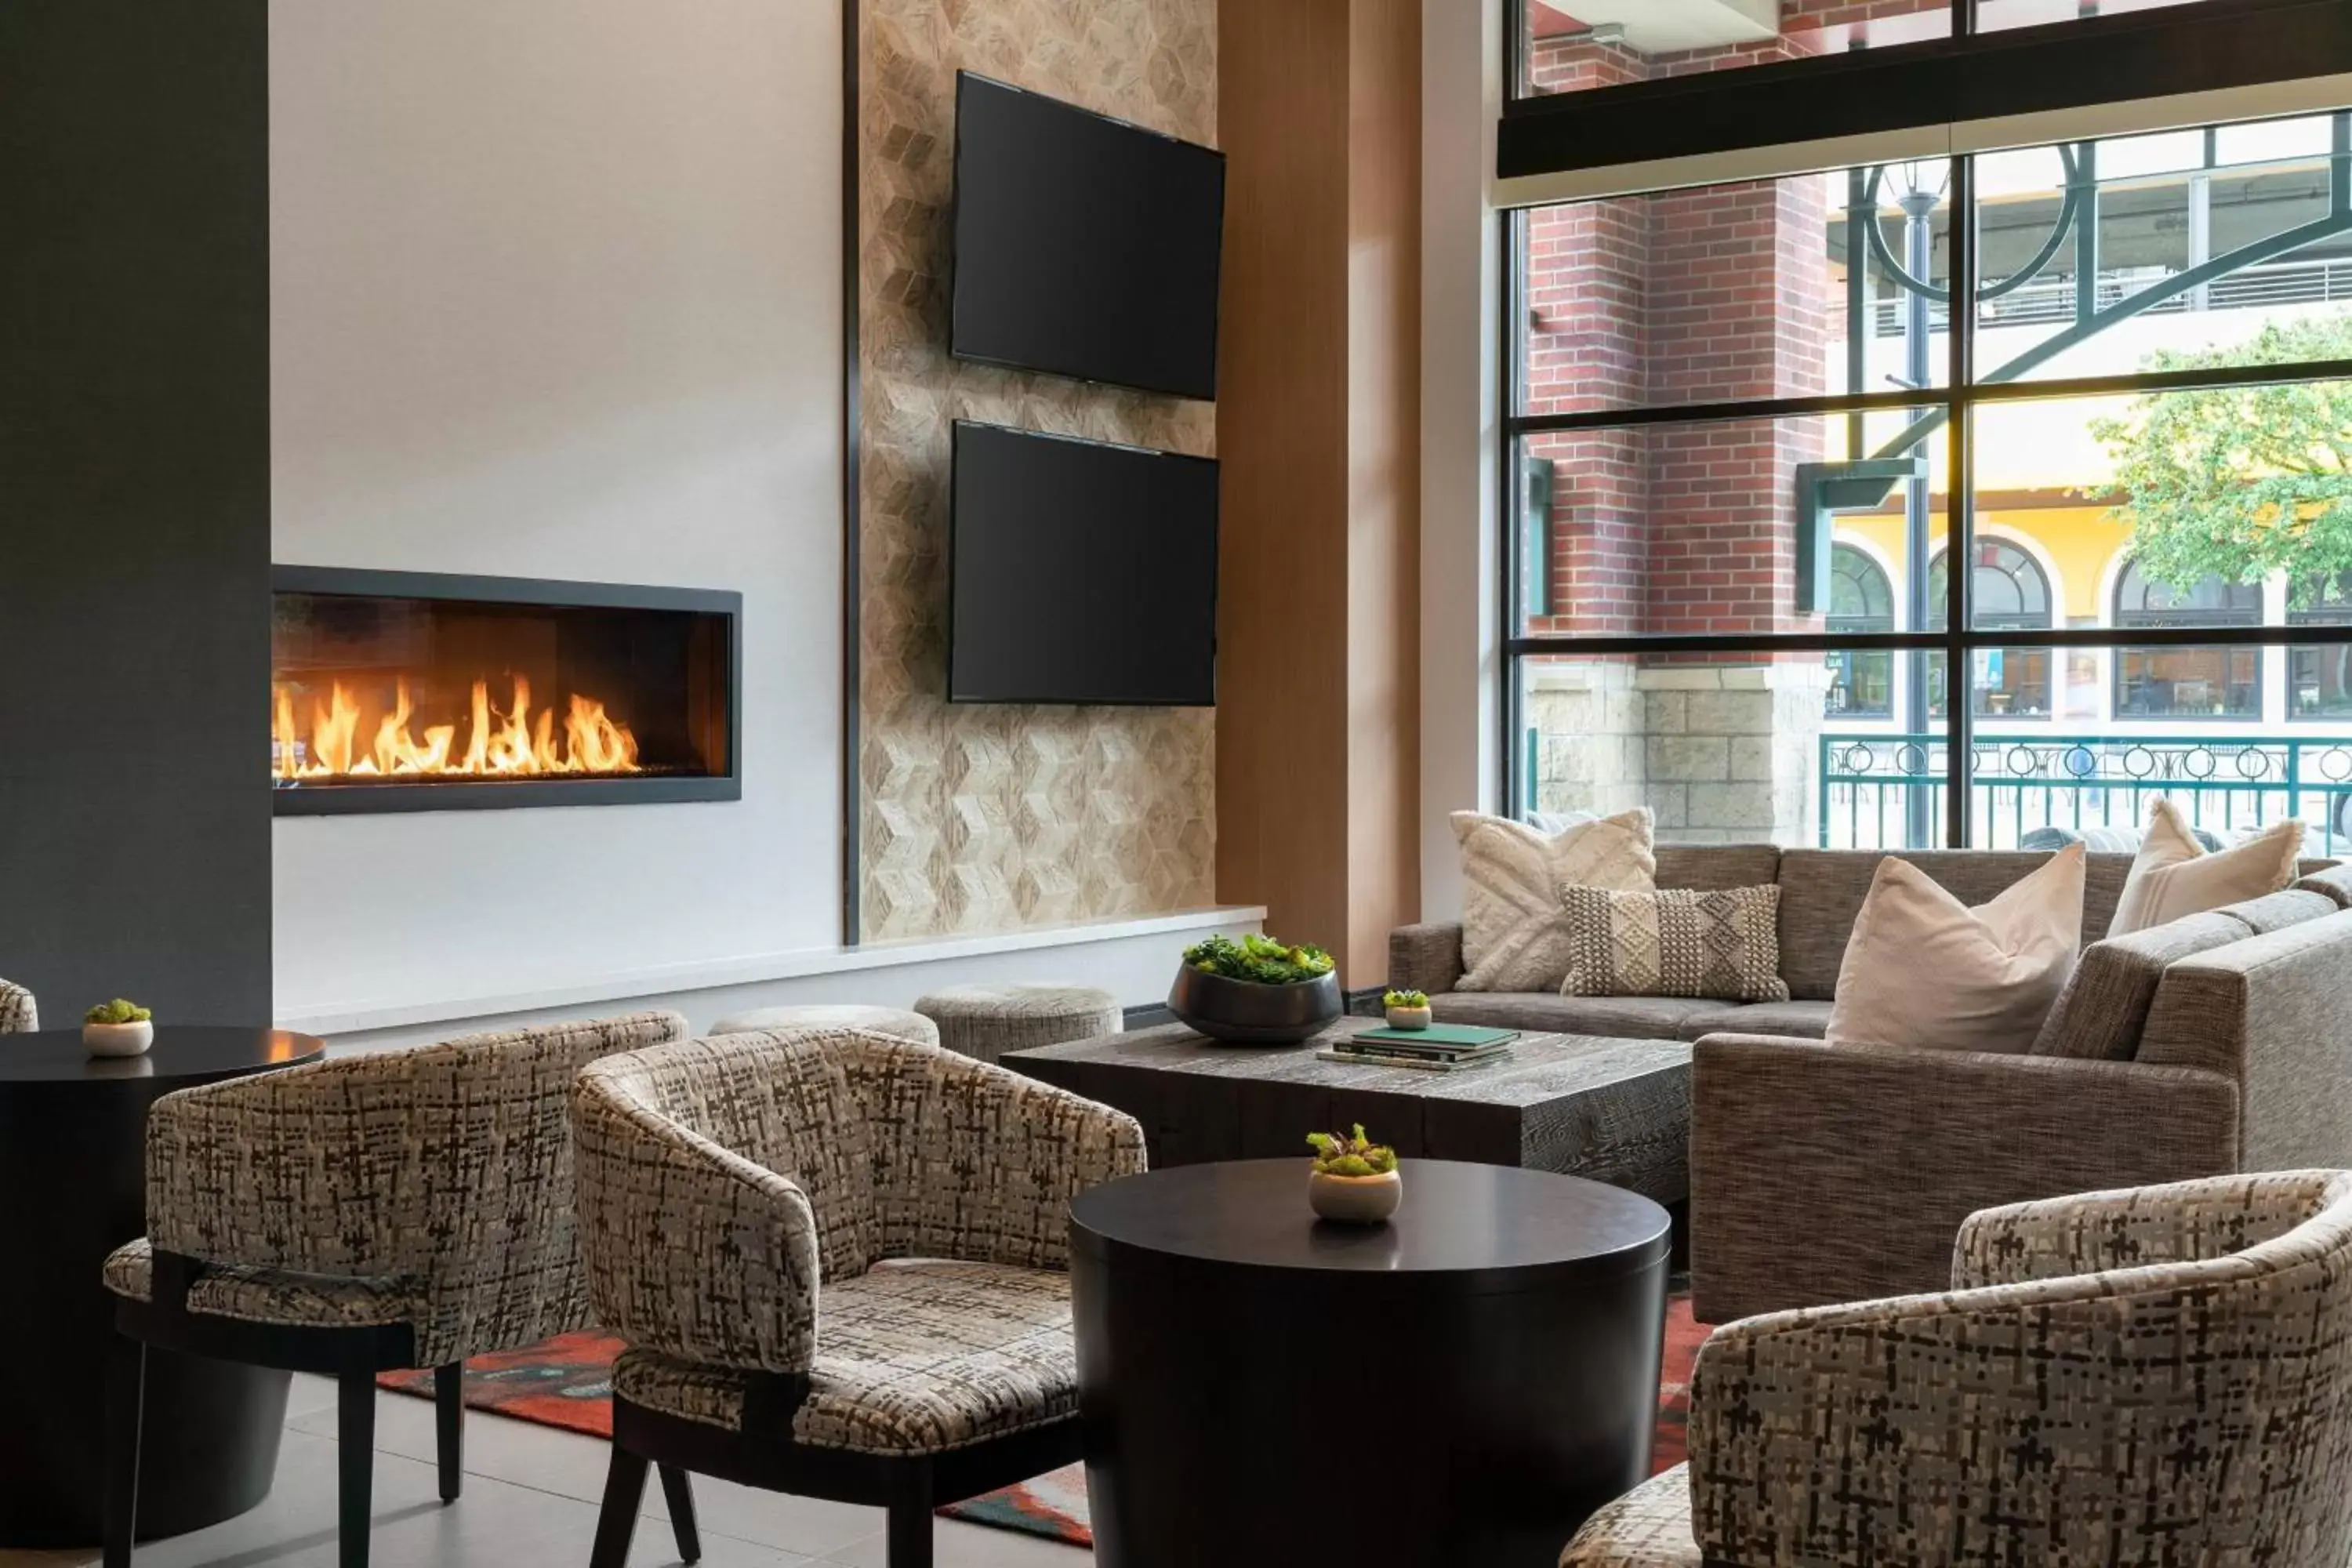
[(1256, 991)]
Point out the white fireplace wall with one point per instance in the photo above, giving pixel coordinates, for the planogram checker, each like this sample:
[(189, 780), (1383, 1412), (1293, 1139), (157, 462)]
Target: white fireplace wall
[(556, 293)]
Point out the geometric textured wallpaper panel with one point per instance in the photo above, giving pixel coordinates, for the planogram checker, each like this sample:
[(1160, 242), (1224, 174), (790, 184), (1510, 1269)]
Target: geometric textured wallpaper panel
[(986, 819)]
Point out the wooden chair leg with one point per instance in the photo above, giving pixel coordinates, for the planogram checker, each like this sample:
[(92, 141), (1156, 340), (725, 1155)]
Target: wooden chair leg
[(625, 1488), (449, 1427), (909, 1543), (678, 1491), (126, 1393), (355, 1464)]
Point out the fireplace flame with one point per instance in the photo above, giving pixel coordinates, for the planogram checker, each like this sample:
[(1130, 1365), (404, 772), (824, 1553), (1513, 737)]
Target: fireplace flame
[(512, 744)]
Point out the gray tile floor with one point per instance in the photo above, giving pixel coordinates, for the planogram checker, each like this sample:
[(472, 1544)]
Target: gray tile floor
[(531, 1499)]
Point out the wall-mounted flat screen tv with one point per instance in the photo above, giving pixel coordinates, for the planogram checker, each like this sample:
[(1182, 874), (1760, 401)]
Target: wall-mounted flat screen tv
[(1080, 572), (1085, 246)]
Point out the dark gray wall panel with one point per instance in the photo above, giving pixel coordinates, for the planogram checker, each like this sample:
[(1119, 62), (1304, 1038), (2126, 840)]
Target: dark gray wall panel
[(134, 504)]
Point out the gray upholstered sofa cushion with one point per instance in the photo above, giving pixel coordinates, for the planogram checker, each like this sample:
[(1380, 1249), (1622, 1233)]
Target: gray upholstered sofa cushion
[(1822, 892), (2336, 882), (2100, 1013), (1617, 1018), (2280, 910), (1717, 868), (1795, 1020)]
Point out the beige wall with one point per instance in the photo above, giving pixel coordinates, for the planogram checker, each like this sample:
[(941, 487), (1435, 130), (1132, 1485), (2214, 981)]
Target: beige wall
[(977, 819)]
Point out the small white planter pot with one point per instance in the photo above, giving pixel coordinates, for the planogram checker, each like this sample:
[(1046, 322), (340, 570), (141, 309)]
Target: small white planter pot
[(1355, 1200), (119, 1039), (1408, 1018)]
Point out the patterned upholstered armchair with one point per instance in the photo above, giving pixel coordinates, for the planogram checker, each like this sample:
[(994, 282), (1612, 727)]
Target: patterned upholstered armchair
[(17, 1013), (404, 1209), (2159, 1376), (840, 1260)]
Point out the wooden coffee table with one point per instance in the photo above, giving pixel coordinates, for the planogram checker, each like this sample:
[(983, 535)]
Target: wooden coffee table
[(1611, 1110)]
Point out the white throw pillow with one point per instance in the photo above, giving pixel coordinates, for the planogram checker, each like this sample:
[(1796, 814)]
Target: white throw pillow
[(1924, 970), (2175, 877), (1514, 937)]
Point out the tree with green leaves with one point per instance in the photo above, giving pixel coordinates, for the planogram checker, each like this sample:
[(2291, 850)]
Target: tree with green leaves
[(2241, 481)]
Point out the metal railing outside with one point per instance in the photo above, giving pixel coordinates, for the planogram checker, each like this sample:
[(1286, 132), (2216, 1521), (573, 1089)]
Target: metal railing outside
[(2022, 783)]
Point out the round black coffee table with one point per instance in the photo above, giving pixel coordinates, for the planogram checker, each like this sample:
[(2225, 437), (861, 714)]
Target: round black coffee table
[(1464, 1384), (72, 1189)]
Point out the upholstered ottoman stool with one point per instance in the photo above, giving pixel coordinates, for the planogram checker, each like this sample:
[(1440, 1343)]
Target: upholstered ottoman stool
[(983, 1022), (895, 1022)]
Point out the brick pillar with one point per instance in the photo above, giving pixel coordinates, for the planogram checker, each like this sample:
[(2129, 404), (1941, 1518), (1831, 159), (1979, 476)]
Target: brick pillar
[(1586, 270), (1687, 296), (1738, 284)]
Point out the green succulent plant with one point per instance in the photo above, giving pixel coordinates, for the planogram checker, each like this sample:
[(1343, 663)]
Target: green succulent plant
[(1260, 960), (117, 1012), (1405, 999), (1338, 1155)]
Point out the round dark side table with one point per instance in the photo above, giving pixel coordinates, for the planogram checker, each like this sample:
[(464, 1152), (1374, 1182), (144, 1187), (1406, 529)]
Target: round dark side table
[(73, 1163), (1464, 1384)]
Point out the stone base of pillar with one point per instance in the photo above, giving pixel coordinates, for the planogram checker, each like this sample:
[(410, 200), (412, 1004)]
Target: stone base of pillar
[(1720, 753)]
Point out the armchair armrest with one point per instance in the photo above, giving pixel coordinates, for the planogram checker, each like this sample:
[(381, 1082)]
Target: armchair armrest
[(1822, 1174), (1426, 958), (19, 1013), (2091, 1233), (295, 1170), (691, 1249), (977, 1163)]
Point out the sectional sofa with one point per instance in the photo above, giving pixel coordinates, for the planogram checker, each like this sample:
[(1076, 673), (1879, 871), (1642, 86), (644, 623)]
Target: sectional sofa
[(2217, 1044)]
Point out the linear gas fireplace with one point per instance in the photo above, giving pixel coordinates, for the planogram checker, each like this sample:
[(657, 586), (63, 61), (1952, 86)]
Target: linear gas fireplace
[(413, 692)]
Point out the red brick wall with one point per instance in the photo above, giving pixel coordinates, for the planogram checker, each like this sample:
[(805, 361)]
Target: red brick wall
[(1690, 297), (1681, 298)]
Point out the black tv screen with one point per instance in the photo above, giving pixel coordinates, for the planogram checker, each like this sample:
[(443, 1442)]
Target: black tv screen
[(1083, 245), (1080, 572)]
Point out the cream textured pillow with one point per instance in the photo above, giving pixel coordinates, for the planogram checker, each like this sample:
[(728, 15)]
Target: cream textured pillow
[(1513, 937), (1677, 942), (1925, 971), (2175, 876)]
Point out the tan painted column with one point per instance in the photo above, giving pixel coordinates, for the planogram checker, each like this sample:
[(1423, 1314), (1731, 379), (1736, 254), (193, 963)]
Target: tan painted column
[(1317, 422)]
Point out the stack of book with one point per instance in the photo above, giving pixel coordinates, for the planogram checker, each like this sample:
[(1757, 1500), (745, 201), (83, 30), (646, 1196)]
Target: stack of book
[(1440, 1047)]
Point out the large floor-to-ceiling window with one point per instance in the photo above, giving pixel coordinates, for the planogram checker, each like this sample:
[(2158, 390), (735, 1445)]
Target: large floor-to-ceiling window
[(1758, 420)]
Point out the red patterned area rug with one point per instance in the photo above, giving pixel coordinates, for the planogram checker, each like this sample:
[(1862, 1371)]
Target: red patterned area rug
[(567, 1382)]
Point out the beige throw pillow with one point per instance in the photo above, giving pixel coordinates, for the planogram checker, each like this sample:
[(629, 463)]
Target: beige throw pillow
[(1513, 937), (1676, 943), (1925, 971), (2175, 876)]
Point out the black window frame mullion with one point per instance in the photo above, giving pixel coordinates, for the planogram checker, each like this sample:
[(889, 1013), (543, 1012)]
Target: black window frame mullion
[(1959, 505), (1517, 794)]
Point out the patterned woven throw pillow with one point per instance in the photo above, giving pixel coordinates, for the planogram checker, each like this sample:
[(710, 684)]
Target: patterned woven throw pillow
[(1512, 938), (1677, 942)]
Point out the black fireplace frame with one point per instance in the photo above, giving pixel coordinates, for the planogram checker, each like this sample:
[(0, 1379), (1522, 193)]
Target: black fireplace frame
[(519, 794)]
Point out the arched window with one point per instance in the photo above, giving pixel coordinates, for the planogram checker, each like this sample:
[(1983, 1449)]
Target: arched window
[(2010, 592), (1862, 599), (2319, 679), (2187, 682)]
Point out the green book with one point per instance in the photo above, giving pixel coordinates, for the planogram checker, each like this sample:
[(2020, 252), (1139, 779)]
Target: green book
[(1441, 1038)]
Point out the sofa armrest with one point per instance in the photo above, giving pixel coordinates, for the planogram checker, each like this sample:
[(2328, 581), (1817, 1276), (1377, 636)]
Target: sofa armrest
[(1425, 957), (1822, 1174), (2269, 1013)]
